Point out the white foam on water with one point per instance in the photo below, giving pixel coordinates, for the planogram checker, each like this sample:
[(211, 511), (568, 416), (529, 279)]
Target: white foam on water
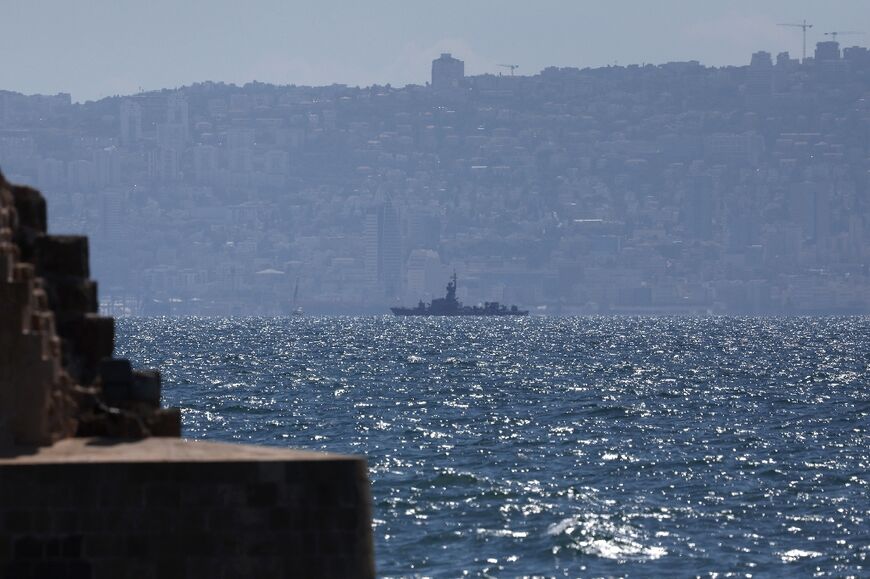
[(798, 554), (598, 535), (503, 533)]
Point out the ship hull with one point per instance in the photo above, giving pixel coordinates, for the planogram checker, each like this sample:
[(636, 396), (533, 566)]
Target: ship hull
[(481, 314), (449, 306)]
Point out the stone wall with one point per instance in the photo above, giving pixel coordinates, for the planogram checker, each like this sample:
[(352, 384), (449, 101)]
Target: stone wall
[(57, 375), (165, 508), (115, 507)]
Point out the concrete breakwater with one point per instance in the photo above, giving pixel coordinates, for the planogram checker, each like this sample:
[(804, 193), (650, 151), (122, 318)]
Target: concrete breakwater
[(94, 479)]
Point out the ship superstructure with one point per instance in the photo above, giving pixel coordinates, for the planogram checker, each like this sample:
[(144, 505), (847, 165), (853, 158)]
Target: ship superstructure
[(450, 306)]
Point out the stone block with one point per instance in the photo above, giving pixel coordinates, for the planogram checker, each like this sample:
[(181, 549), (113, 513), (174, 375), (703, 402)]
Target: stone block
[(116, 377), (29, 547), (65, 255), (72, 297), (145, 387), (89, 339), (23, 273), (144, 526), (262, 495), (165, 422), (31, 208)]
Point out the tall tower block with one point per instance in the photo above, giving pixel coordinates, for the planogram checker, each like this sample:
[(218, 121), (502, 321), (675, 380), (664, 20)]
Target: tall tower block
[(447, 72)]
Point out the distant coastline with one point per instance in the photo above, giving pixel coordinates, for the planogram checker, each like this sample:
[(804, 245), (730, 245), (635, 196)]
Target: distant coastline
[(672, 188)]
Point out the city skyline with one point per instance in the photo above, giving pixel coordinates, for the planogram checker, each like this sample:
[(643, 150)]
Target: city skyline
[(674, 188), (94, 52)]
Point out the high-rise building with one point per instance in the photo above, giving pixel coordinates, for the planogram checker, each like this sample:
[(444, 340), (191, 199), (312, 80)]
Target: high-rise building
[(131, 122), (383, 248), (447, 72), (759, 76), (829, 50), (784, 60), (424, 275), (177, 112), (107, 166), (761, 59), (857, 55), (111, 214)]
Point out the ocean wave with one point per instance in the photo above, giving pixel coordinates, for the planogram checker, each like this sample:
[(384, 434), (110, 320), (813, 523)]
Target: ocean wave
[(602, 536), (797, 554)]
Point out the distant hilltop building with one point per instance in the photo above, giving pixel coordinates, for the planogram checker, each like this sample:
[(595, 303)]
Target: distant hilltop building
[(447, 72), (761, 59), (829, 50)]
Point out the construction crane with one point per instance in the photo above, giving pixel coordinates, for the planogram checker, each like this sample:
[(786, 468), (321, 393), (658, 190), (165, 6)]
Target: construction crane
[(802, 26), (513, 67), (836, 33)]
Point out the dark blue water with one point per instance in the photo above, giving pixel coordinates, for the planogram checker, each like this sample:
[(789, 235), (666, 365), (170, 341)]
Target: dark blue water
[(557, 447)]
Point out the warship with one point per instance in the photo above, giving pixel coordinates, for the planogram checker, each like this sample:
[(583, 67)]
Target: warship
[(450, 306)]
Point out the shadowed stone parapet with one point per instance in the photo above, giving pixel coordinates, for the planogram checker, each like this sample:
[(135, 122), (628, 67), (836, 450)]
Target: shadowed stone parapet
[(53, 342), (164, 507), (129, 506)]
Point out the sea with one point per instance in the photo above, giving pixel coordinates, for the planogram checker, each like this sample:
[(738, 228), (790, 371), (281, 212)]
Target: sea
[(556, 447)]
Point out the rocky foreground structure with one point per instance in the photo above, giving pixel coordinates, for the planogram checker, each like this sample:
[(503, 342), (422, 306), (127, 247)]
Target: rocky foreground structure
[(57, 375), (95, 481)]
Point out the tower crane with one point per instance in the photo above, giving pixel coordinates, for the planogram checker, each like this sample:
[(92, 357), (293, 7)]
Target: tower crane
[(803, 25), (836, 33), (513, 67)]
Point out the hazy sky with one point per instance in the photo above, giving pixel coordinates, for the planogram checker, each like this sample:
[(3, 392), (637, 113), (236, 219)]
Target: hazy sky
[(96, 48)]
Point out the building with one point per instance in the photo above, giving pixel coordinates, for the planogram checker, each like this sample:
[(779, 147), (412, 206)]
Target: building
[(424, 275), (131, 122), (829, 50), (447, 72), (383, 248), (177, 113), (759, 76)]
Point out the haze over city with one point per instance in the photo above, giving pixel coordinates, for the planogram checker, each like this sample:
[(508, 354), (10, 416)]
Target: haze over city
[(568, 157), (102, 48)]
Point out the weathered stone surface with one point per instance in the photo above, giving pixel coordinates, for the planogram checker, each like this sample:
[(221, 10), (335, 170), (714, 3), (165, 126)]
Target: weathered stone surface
[(31, 207), (72, 297), (146, 387), (62, 255), (35, 406), (164, 507), (165, 422), (52, 341), (89, 339)]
